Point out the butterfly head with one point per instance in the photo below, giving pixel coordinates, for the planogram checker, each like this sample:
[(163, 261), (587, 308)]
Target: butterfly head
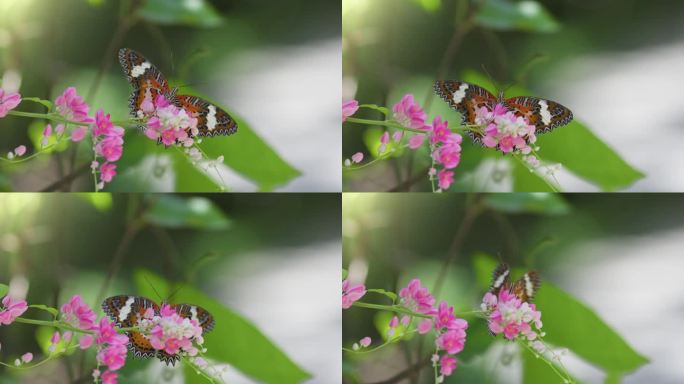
[(500, 98)]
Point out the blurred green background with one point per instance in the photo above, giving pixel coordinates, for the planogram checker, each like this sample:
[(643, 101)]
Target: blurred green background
[(266, 266), (602, 59), (274, 65), (610, 267)]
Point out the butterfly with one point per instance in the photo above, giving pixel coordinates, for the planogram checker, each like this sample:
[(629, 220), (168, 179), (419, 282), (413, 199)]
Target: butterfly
[(467, 98), (524, 288), (144, 76), (125, 311)]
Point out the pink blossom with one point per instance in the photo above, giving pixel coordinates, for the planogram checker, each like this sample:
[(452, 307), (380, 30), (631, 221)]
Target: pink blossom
[(446, 178), (20, 150), (109, 377), (349, 108), (452, 341), (449, 156), (110, 148), (78, 134), (408, 113), (357, 157), (106, 333), (27, 357), (417, 298), (394, 322), (72, 106), (107, 172), (113, 356), (351, 292), (447, 365), (424, 326), (366, 341), (440, 131), (396, 136), (11, 309), (174, 334), (85, 341), (511, 316), (8, 101), (104, 127), (416, 141), (77, 313)]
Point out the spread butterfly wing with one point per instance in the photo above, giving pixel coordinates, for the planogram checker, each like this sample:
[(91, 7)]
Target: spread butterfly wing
[(500, 278), (194, 312), (545, 115), (211, 120), (143, 76), (125, 311), (527, 286), (465, 98)]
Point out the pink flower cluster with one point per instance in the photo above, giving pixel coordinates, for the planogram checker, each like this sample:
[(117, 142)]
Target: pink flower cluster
[(8, 101), (409, 113), (107, 144), (112, 351), (72, 107), (172, 333), (351, 292), (507, 132), (450, 330), (513, 317), (11, 309), (166, 122), (349, 108)]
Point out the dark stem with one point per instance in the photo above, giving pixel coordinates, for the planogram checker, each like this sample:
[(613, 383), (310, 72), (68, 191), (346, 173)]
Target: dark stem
[(407, 373), (406, 184), (66, 180)]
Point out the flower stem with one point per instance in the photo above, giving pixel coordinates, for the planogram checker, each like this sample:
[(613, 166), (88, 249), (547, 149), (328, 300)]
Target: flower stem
[(47, 116), (54, 324), (386, 123), (392, 308)]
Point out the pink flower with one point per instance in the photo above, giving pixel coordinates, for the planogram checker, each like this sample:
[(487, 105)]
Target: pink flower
[(446, 178), (357, 157), (27, 357), (424, 326), (85, 341), (11, 309), (349, 108), (394, 322), (447, 365), (103, 127), (8, 101), (78, 134), (113, 356), (417, 298), (107, 172), (106, 333), (385, 138), (408, 113), (416, 141), (452, 341), (366, 341), (511, 316), (72, 106), (174, 334), (440, 131), (449, 156), (351, 292), (110, 148), (20, 150), (109, 377), (77, 313)]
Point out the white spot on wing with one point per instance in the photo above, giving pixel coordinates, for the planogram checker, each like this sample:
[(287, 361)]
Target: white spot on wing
[(460, 93), (211, 118), (544, 112), (138, 70), (529, 289), (500, 279), (126, 309), (193, 313)]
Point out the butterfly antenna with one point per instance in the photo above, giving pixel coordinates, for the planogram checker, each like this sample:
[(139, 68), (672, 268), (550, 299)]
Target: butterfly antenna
[(491, 78), (178, 288), (152, 286)]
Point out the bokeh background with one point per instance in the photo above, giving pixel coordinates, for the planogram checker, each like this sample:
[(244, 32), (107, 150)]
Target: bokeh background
[(272, 259), (614, 63), (274, 65), (618, 254)]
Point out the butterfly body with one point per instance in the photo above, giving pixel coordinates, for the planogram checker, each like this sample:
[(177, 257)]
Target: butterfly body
[(467, 99), (524, 288), (148, 81), (127, 311)]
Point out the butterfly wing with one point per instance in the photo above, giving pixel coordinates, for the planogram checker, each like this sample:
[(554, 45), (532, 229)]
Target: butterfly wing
[(527, 286), (211, 120), (465, 98), (500, 278), (545, 115), (143, 76), (125, 311), (193, 312)]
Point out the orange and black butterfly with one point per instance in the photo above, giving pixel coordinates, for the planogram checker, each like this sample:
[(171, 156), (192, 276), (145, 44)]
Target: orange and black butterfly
[(144, 76), (126, 311), (467, 98), (524, 288)]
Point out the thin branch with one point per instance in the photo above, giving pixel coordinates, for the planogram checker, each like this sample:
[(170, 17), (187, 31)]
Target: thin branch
[(407, 373), (66, 180)]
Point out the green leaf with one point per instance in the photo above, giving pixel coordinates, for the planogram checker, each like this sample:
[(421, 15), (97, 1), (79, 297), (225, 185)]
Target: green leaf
[(391, 295), (590, 338), (54, 312), (234, 340), (523, 15), (535, 370), (193, 13), (3, 290), (542, 203), (585, 155), (192, 212)]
